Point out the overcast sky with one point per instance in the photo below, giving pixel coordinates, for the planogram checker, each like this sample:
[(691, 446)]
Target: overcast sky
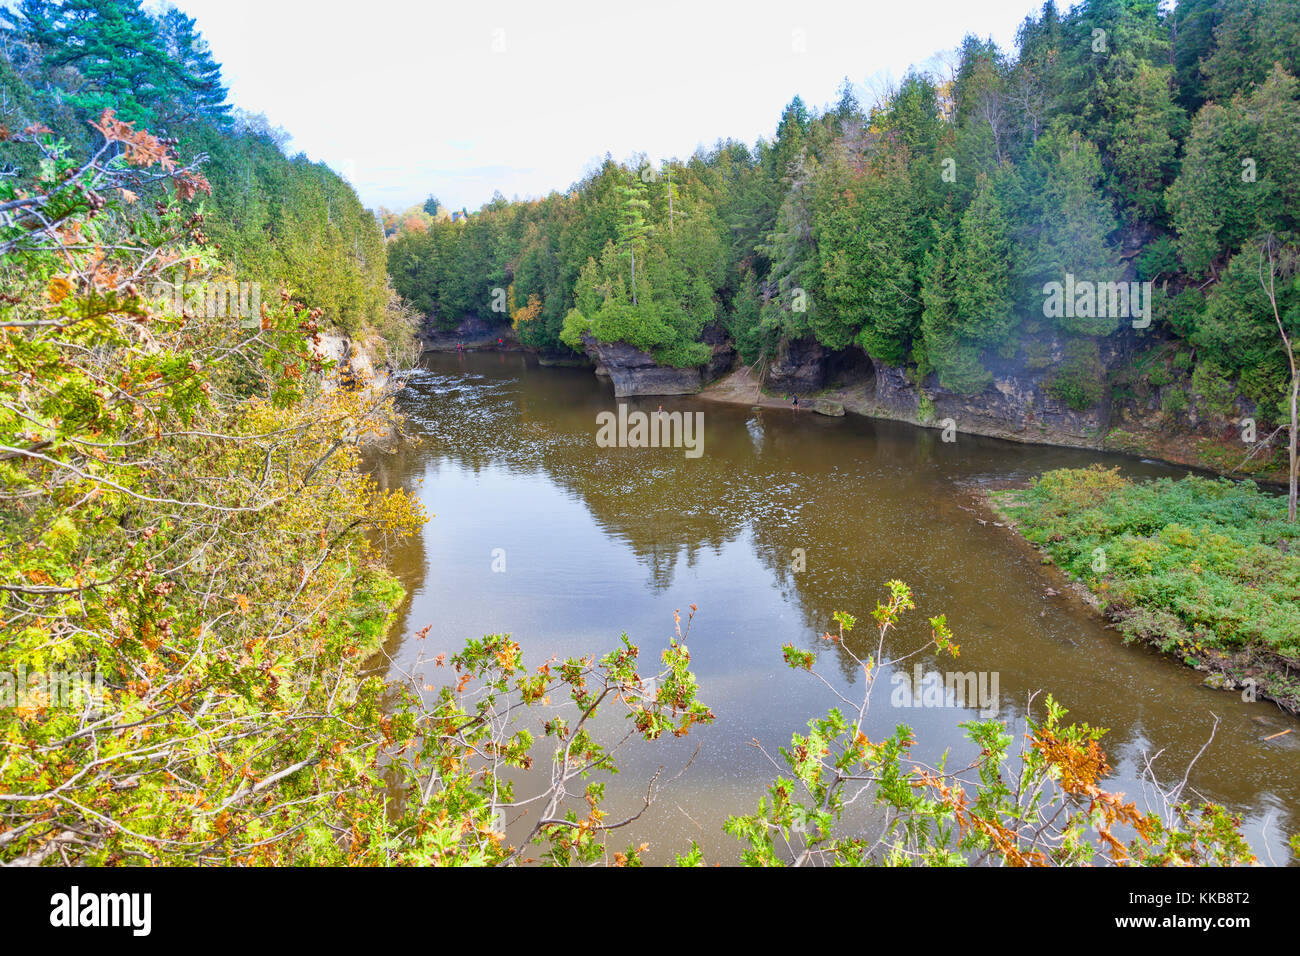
[(409, 98)]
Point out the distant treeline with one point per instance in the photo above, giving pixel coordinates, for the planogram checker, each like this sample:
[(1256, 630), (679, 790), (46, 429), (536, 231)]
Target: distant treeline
[(281, 221), (1119, 142)]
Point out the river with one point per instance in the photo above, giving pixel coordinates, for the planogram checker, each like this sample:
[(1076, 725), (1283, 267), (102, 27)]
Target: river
[(541, 533)]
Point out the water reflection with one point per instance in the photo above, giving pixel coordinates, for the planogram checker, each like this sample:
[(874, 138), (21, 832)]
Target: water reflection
[(784, 519)]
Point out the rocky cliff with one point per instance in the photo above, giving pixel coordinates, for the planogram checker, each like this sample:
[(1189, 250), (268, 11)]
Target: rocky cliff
[(356, 367), (634, 372), (1017, 405), (1170, 420), (470, 333)]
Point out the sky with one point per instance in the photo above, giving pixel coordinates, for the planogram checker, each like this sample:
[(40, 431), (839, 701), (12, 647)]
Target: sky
[(459, 100)]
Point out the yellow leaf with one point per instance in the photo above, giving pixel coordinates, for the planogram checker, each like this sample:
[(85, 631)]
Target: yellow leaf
[(59, 288)]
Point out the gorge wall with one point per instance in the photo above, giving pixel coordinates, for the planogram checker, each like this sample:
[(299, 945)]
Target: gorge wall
[(1017, 405)]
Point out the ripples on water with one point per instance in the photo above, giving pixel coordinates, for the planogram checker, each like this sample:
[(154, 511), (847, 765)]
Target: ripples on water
[(599, 541)]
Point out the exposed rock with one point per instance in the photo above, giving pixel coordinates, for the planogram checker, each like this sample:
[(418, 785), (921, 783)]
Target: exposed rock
[(1217, 680), (1016, 405), (635, 372), (723, 358), (471, 333), (562, 358), (824, 406), (799, 367), (355, 368), (352, 359)]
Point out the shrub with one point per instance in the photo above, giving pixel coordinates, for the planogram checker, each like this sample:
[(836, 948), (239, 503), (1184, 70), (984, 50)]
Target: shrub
[(1217, 557), (1213, 390), (195, 534), (1040, 804), (1080, 381)]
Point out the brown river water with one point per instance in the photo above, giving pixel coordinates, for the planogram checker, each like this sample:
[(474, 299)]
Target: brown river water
[(597, 541)]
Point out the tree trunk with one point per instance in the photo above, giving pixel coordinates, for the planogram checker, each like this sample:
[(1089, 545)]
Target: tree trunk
[(1295, 465)]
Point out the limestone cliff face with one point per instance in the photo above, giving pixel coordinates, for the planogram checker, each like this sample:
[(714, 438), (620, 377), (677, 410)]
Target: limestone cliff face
[(799, 367), (471, 333), (723, 356), (356, 366), (1016, 405), (634, 372), (347, 353)]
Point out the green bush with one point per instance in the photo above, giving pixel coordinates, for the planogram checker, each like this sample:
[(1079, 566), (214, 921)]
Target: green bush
[(1182, 312), (1213, 389), (1158, 258), (1207, 562), (1080, 381)]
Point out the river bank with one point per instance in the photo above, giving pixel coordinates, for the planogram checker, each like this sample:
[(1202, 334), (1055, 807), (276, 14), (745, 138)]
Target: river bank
[(786, 518), (1134, 419), (1202, 570), (1216, 450)]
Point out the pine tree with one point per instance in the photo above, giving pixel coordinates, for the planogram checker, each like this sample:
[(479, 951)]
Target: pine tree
[(115, 47), (204, 93), (633, 228), (1066, 221), (982, 306), (965, 288)]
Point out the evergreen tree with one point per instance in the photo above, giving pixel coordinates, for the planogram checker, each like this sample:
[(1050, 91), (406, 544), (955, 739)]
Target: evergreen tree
[(1238, 176), (115, 49), (204, 94), (632, 227), (965, 289), (790, 310), (1250, 38), (1065, 221)]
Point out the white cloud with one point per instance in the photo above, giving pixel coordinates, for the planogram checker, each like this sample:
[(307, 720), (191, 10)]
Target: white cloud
[(464, 99)]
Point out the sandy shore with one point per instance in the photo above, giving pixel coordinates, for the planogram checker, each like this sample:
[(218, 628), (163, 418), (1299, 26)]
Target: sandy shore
[(741, 387)]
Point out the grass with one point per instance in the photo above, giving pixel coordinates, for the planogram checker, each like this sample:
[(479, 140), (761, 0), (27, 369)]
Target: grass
[(1207, 569)]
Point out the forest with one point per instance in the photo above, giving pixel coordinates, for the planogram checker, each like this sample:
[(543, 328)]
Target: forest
[(187, 511), (278, 220), (183, 509), (1122, 141)]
